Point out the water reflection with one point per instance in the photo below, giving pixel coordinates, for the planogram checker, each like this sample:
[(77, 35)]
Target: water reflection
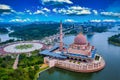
[(110, 53)]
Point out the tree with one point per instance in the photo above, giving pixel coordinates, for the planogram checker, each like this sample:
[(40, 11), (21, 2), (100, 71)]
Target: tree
[(36, 67)]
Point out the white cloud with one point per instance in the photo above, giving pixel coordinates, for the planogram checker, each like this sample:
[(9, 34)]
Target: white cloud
[(39, 12), (63, 11), (83, 12), (104, 20), (73, 10), (5, 13), (7, 10), (56, 1), (95, 12), (76, 8), (28, 11), (20, 20), (5, 7), (112, 14), (54, 10), (42, 11), (95, 20), (18, 13), (69, 20), (46, 9), (109, 20)]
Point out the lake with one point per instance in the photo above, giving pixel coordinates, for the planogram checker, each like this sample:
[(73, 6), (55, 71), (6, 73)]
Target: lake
[(110, 53), (5, 37)]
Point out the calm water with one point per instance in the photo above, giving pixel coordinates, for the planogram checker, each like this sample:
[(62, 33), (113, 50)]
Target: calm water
[(5, 37), (110, 53)]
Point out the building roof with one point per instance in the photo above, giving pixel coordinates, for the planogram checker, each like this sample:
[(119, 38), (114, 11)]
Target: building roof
[(52, 54), (80, 39), (65, 55)]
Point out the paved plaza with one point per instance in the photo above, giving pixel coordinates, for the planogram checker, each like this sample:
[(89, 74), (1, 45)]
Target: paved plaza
[(12, 48)]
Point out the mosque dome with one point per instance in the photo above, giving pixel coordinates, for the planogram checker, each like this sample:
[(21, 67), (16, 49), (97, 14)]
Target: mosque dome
[(80, 39)]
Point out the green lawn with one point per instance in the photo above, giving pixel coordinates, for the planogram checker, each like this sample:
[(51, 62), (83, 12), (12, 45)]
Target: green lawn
[(28, 67), (24, 46)]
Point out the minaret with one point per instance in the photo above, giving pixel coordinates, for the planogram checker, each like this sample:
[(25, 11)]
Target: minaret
[(61, 37)]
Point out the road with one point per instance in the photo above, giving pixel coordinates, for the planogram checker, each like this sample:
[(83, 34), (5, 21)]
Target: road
[(16, 62)]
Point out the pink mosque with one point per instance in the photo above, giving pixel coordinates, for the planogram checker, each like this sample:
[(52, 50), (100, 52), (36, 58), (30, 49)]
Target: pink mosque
[(79, 56)]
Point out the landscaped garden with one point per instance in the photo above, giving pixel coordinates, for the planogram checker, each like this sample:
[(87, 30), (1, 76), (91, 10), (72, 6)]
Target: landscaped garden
[(28, 67), (24, 46)]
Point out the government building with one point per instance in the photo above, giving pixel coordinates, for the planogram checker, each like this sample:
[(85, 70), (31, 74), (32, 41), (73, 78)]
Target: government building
[(79, 56)]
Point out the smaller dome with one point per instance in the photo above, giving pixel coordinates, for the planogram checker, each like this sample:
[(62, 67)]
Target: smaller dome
[(80, 39)]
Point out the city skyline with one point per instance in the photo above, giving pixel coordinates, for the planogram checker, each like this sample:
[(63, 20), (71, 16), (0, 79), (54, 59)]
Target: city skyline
[(56, 10)]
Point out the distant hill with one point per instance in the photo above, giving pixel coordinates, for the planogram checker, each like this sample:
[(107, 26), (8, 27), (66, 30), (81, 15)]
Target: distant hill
[(36, 30), (3, 30)]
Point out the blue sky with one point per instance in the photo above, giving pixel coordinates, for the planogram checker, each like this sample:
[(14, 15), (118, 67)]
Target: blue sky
[(56, 10)]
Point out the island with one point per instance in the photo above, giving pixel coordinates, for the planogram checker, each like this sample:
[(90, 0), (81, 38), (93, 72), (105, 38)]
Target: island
[(115, 39)]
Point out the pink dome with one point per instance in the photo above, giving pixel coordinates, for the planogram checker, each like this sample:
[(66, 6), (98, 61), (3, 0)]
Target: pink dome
[(80, 39)]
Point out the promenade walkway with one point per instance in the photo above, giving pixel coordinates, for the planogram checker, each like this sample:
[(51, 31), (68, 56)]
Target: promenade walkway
[(16, 62)]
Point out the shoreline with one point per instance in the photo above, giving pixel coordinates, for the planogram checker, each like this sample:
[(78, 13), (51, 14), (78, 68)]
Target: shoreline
[(113, 43), (40, 71)]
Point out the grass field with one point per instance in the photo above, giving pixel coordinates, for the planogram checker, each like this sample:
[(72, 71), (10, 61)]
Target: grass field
[(25, 46)]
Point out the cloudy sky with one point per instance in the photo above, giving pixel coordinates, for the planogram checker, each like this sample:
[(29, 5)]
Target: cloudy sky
[(56, 10)]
